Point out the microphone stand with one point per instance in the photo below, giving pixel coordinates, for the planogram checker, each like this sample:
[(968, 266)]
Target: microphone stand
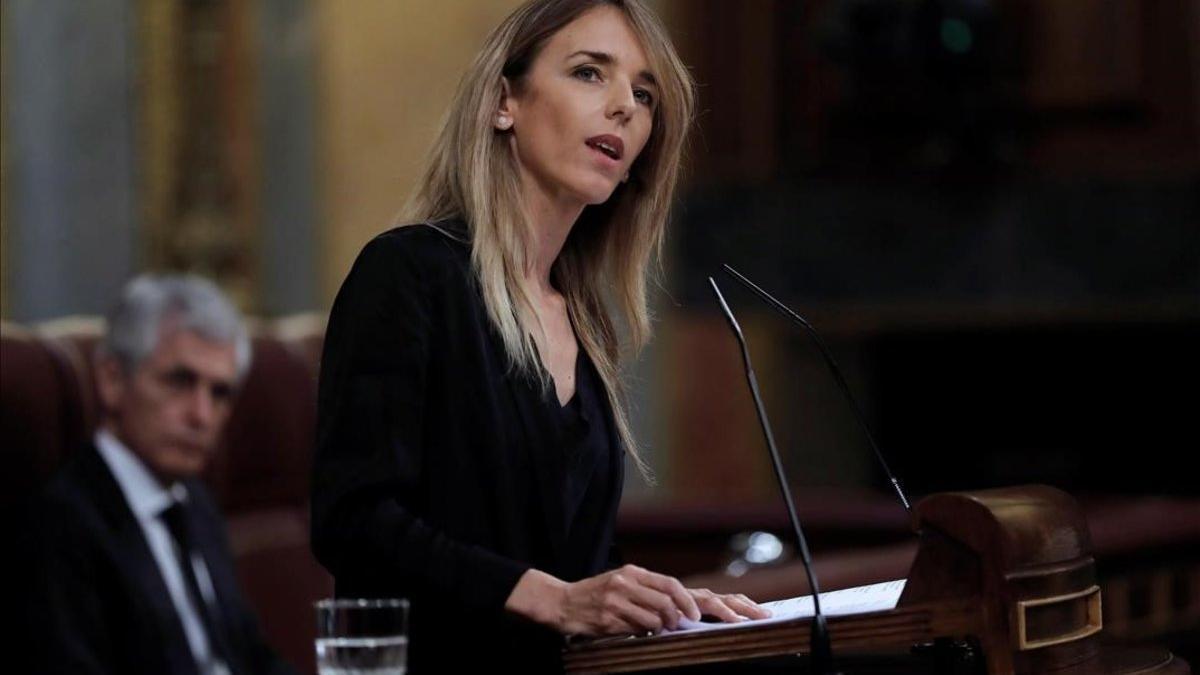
[(833, 367), (820, 649)]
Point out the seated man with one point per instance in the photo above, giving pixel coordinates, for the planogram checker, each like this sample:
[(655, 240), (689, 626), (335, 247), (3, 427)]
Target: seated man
[(134, 571)]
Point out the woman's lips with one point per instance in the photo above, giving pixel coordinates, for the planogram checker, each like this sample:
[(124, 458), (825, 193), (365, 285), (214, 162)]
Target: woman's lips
[(608, 145)]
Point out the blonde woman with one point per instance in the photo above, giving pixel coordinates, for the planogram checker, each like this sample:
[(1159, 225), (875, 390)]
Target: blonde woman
[(472, 435)]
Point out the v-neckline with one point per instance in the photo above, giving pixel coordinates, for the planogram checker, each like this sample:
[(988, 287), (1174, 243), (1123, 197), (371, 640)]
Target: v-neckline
[(574, 390), (554, 382)]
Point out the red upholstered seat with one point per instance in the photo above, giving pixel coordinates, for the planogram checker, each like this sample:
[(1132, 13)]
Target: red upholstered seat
[(266, 453), (41, 411)]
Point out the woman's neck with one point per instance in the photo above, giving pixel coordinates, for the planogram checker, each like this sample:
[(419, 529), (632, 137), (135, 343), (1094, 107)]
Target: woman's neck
[(551, 217)]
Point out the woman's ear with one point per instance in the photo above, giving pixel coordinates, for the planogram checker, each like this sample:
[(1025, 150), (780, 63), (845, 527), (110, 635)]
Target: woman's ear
[(504, 113)]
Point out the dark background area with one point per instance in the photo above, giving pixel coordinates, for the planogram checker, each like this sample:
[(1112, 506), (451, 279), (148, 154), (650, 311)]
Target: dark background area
[(992, 208)]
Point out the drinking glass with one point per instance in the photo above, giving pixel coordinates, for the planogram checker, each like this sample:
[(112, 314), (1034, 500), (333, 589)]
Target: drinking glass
[(362, 636)]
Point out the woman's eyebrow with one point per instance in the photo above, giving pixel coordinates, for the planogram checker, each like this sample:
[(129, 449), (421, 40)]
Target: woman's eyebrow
[(608, 59)]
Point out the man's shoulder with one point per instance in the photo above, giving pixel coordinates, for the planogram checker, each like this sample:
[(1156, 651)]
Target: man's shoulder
[(75, 480), (74, 500)]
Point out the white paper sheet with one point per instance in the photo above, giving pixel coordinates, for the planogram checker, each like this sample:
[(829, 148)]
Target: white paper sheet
[(859, 600)]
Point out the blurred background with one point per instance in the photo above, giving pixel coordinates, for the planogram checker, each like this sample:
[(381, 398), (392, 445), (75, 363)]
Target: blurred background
[(989, 208)]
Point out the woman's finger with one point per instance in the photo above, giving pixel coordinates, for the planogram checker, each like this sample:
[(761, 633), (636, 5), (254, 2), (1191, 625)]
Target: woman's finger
[(746, 607), (713, 604), (616, 625), (659, 603), (683, 600), (637, 617)]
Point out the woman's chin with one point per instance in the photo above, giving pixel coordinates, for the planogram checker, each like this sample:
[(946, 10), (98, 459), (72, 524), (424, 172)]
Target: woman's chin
[(598, 194)]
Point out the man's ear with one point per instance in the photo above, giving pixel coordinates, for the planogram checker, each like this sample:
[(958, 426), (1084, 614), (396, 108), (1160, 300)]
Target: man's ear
[(111, 381), (504, 112)]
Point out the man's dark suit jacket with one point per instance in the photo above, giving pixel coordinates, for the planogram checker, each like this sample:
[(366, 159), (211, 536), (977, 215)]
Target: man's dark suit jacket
[(438, 474), (99, 603)]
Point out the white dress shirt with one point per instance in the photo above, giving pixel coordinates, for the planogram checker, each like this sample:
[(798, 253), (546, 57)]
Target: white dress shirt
[(147, 498)]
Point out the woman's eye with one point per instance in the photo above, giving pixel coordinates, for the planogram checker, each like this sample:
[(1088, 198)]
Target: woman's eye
[(587, 73), (643, 96)]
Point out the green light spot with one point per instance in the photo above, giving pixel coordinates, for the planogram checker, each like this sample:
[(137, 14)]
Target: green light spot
[(956, 36)]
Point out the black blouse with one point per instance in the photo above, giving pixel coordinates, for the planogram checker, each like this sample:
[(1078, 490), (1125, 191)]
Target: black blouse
[(587, 446), (441, 474)]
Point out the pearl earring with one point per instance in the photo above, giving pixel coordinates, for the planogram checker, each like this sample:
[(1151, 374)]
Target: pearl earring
[(503, 122)]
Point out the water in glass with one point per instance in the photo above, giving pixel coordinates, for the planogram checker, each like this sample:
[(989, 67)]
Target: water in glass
[(362, 636), (362, 656)]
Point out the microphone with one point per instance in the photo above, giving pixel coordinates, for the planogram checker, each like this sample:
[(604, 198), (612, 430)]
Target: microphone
[(820, 649), (833, 368)]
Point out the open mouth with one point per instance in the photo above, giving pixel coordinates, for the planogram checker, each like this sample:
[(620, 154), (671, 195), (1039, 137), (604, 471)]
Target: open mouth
[(610, 146)]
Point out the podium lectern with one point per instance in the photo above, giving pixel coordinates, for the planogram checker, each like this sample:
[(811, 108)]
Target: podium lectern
[(1010, 570)]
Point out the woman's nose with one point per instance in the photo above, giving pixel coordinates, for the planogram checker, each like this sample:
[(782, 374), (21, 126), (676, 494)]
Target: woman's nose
[(621, 102)]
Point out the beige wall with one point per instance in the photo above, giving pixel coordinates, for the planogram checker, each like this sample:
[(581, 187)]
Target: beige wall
[(386, 71)]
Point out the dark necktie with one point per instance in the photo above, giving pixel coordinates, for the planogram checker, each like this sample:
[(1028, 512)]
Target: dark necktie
[(176, 520)]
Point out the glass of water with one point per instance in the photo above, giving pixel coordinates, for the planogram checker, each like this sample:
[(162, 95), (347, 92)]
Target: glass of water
[(362, 637)]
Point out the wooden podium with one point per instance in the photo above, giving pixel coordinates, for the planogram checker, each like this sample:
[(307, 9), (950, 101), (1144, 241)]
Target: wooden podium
[(1009, 570)]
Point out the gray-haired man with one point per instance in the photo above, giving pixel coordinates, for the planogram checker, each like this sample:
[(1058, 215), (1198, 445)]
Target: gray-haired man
[(136, 574)]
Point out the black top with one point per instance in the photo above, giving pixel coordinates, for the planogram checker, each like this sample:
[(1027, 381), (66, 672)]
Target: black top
[(587, 444), (441, 475)]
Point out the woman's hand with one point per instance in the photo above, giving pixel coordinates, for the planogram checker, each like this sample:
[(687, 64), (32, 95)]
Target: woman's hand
[(625, 600), (729, 608)]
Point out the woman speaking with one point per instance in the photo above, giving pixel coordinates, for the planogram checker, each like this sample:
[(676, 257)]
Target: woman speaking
[(471, 429)]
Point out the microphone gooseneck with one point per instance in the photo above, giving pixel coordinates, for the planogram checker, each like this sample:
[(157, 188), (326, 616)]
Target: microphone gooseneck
[(820, 649), (833, 368)]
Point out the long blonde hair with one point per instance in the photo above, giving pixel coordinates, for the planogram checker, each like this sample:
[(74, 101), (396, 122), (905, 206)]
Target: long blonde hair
[(472, 174)]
